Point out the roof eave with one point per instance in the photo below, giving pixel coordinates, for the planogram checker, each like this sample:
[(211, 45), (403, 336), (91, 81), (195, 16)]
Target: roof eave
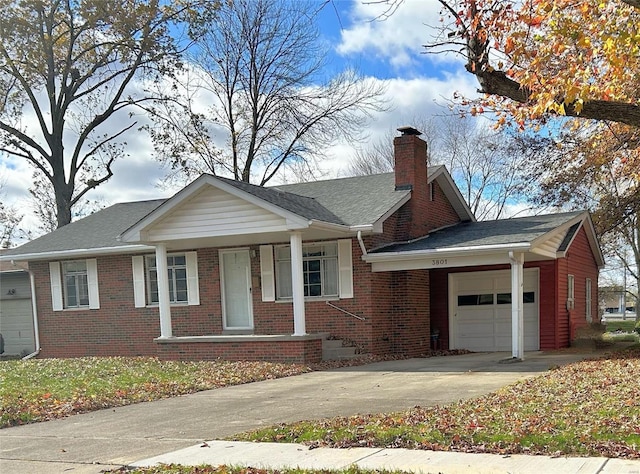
[(73, 253), (449, 252), (449, 188), (329, 226)]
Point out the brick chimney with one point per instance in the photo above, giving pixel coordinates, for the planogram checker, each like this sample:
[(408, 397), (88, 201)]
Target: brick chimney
[(410, 156)]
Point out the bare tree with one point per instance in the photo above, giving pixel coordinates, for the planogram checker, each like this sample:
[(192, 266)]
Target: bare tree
[(378, 157), (261, 68), (10, 220), (43, 205), (66, 68), (489, 167)]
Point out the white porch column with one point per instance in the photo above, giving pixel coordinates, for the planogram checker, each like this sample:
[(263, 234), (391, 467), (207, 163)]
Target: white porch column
[(164, 303), (517, 305), (297, 283)]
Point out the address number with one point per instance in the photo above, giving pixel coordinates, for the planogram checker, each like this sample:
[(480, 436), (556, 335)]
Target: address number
[(439, 261)]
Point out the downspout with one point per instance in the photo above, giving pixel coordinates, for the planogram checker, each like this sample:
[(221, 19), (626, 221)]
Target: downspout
[(34, 309), (361, 242)]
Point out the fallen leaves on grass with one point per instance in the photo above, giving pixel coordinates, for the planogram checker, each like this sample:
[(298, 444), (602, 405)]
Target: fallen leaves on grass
[(45, 389), (587, 408), (178, 469)]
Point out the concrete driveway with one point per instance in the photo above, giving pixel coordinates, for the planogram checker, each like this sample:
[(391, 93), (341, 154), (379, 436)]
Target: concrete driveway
[(110, 438)]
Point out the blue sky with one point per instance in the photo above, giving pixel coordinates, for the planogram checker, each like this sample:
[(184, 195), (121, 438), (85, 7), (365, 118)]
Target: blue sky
[(418, 86)]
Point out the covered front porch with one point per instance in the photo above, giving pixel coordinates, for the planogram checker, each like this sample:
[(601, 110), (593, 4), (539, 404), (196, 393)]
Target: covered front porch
[(220, 250)]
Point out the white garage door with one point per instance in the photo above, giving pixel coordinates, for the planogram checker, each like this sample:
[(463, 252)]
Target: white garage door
[(16, 326), (480, 310)]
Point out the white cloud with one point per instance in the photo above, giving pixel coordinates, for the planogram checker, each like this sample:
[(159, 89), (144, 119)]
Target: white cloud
[(412, 99), (398, 38)]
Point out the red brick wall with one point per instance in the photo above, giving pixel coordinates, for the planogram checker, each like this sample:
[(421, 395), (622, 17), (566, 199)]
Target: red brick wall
[(547, 305), (441, 212), (411, 312), (298, 352)]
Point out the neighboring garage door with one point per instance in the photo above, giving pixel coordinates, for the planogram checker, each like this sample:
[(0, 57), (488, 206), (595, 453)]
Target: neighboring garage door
[(16, 326), (480, 309)]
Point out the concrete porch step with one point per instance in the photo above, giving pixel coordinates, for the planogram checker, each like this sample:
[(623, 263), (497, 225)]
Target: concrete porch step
[(334, 349)]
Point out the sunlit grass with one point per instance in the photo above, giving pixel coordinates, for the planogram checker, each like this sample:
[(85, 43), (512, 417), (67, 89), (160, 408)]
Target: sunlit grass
[(44, 389)]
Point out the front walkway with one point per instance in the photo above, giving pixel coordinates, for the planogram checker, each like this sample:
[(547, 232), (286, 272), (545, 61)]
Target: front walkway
[(280, 455)]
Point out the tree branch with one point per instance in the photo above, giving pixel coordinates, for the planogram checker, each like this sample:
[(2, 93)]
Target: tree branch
[(497, 83)]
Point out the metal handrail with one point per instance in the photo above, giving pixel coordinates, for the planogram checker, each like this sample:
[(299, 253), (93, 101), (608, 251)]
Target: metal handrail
[(345, 311)]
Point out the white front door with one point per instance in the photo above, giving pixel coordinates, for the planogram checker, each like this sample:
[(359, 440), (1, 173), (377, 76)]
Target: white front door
[(235, 283), (480, 310)]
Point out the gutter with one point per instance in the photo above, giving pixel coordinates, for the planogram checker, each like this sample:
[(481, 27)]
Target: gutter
[(412, 254), (34, 309), (77, 253)]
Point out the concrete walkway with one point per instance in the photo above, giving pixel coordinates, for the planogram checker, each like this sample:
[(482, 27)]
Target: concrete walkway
[(278, 456), (92, 442)]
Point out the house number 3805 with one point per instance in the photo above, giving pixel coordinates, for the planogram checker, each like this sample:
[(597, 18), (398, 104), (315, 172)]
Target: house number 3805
[(439, 261)]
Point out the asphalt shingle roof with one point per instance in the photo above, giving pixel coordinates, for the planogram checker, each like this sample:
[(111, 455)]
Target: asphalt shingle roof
[(347, 201), (298, 204), (357, 200), (476, 234), (98, 230)]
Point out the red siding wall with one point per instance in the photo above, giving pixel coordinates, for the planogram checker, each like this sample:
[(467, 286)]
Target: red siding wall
[(582, 265)]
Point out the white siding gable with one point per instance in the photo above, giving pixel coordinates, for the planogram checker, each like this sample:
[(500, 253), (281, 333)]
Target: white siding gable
[(213, 212)]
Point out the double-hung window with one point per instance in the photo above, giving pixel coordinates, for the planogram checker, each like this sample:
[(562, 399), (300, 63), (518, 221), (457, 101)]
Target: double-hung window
[(76, 285), (182, 273), (177, 272), (319, 270)]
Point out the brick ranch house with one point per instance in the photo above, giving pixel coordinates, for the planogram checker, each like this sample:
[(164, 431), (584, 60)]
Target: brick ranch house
[(225, 269)]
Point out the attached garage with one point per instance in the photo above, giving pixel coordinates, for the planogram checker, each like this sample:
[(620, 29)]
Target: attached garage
[(480, 310), (17, 326), (484, 280), (16, 316)]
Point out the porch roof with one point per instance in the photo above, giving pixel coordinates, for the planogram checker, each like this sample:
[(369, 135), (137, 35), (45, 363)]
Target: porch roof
[(488, 242)]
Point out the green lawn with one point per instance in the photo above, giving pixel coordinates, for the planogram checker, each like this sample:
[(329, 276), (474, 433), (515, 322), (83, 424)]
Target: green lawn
[(625, 326), (590, 408), (44, 389)]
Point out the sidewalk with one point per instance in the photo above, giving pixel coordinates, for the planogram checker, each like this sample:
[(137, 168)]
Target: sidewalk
[(278, 456)]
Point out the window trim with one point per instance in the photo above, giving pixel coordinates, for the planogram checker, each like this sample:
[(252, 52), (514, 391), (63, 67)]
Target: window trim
[(77, 276), (571, 291), (345, 272), (307, 259), (173, 290), (58, 285), (140, 278)]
